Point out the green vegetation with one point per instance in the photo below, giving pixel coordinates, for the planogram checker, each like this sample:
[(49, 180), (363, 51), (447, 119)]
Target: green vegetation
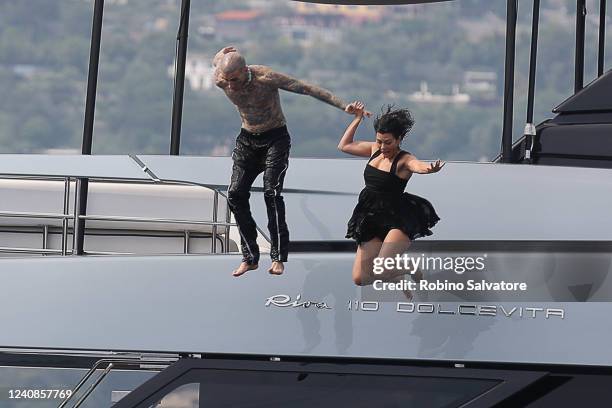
[(44, 52)]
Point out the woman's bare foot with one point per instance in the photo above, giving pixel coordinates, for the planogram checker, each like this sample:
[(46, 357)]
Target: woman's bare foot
[(244, 267), (277, 268)]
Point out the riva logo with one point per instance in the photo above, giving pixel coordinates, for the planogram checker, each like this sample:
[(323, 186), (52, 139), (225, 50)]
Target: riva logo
[(285, 301)]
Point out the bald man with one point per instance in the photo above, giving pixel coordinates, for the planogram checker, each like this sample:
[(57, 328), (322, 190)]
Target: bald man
[(262, 146)]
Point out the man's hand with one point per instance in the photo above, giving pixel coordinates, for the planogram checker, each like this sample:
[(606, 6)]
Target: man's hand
[(357, 108)]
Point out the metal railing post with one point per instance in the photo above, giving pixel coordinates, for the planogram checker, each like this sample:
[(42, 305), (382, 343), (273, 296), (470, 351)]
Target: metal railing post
[(602, 37), (112, 363), (45, 240), (179, 78), (511, 15), (186, 242), (94, 385), (228, 219), (77, 221), (65, 220), (214, 227), (581, 12)]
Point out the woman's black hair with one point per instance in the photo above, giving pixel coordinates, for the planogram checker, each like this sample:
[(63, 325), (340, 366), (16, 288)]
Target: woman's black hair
[(398, 122)]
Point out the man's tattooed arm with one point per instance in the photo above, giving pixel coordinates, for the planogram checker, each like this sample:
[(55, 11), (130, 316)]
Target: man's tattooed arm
[(294, 85)]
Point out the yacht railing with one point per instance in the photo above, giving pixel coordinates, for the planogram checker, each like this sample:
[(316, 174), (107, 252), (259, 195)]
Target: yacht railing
[(109, 364), (66, 216), (93, 361)]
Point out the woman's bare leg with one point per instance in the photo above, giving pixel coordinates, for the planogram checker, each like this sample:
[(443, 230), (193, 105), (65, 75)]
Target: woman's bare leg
[(364, 258), (396, 243)]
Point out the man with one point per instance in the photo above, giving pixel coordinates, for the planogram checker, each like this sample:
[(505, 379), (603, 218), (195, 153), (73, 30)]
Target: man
[(262, 145)]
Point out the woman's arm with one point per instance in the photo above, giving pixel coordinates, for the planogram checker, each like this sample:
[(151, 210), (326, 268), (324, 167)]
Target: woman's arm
[(417, 166), (347, 145)]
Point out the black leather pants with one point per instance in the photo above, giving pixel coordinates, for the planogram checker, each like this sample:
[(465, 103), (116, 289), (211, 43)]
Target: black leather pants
[(255, 153)]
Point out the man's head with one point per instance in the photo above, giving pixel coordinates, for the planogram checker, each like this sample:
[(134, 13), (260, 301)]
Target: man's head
[(233, 70)]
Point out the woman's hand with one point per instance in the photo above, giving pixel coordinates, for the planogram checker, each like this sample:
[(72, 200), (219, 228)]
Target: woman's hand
[(420, 167), (347, 145), (227, 50), (435, 167), (357, 108)]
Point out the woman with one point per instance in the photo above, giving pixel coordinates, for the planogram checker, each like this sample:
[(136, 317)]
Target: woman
[(385, 214)]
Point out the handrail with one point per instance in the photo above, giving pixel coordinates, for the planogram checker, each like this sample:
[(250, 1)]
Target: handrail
[(11, 214), (156, 220), (110, 365), (15, 250), (66, 215)]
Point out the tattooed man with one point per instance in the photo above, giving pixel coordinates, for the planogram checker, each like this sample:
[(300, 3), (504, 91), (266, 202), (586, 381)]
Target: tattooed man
[(262, 146)]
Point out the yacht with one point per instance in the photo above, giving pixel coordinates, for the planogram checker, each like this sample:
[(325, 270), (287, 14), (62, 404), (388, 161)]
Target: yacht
[(117, 288)]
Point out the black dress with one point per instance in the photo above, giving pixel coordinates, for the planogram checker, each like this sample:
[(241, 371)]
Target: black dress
[(383, 205)]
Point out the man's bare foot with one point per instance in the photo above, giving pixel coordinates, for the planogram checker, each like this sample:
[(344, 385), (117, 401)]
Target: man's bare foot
[(277, 268), (417, 276), (409, 295), (244, 267)]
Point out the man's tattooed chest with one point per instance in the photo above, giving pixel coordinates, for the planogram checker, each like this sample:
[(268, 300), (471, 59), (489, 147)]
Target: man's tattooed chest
[(254, 98)]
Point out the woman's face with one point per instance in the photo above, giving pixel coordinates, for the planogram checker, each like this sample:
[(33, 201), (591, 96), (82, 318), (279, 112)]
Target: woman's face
[(388, 144)]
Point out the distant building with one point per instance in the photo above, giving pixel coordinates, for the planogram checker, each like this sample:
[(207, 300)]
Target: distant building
[(204, 26), (159, 24), (198, 72), (315, 23), (305, 34), (407, 11), (480, 85), (207, 32), (424, 96), (346, 10), (333, 15), (237, 24)]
